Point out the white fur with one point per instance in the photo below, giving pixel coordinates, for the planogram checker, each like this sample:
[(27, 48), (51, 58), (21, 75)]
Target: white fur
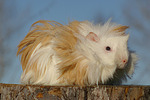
[(97, 71), (133, 62), (41, 55), (101, 64), (100, 30)]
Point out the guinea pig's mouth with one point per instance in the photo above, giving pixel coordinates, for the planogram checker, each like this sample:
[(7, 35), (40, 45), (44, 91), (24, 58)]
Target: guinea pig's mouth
[(121, 65)]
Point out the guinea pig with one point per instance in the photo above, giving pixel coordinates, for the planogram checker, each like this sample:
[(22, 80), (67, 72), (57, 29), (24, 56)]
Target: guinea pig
[(80, 53)]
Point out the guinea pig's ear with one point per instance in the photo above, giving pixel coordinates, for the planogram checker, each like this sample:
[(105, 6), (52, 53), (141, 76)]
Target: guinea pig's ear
[(120, 28), (126, 37), (92, 36)]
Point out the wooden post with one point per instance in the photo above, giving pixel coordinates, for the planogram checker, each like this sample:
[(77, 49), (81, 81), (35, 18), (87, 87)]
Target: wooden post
[(101, 92)]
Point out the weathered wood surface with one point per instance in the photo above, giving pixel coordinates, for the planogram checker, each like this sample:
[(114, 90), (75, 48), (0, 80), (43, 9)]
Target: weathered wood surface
[(101, 92)]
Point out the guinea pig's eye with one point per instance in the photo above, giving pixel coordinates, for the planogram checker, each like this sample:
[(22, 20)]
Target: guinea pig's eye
[(108, 48)]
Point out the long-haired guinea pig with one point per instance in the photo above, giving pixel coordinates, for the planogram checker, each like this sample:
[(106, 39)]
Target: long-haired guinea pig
[(80, 53)]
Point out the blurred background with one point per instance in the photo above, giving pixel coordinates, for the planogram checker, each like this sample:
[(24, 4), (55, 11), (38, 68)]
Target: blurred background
[(16, 17)]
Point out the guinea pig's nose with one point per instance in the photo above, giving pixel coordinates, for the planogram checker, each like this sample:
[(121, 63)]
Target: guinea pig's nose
[(124, 61)]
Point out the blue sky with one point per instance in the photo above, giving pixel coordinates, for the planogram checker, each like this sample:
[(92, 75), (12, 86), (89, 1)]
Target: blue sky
[(65, 10), (27, 12)]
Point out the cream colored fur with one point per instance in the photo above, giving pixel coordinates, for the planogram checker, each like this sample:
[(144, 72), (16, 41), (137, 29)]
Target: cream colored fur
[(55, 54)]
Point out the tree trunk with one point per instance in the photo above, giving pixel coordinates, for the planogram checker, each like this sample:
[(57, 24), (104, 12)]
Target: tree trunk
[(101, 92)]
